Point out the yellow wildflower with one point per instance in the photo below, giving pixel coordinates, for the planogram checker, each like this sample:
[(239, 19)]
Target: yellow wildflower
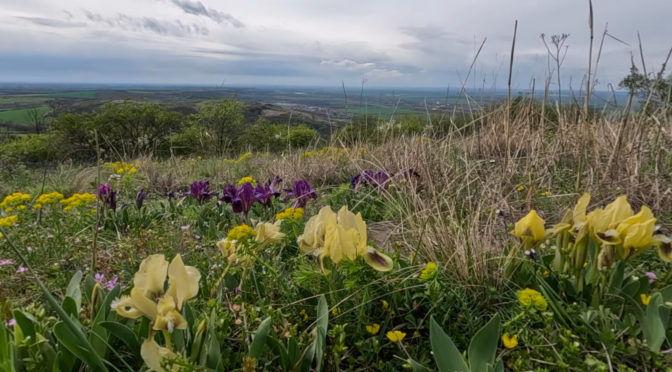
[(645, 299), (249, 180), (429, 271), (395, 336), (530, 227), (244, 156), (304, 314), (37, 206), (1, 236), (373, 328), (8, 221), (148, 285), (268, 232), (49, 198), (77, 200), (290, 212), (340, 236), (335, 311), (384, 304), (21, 207), (509, 341), (241, 233), (545, 193), (14, 199), (9, 210), (531, 298), (520, 188)]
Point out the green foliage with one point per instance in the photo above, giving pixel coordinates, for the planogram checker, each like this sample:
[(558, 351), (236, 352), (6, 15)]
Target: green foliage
[(32, 148)]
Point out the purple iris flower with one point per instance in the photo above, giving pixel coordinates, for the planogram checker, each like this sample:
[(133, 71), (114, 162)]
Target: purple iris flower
[(228, 194), (242, 203), (301, 191), (107, 196), (200, 190), (275, 184), (140, 198), (263, 193), (380, 180)]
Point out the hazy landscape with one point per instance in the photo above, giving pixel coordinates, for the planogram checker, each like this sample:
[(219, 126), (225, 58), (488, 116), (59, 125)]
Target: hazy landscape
[(189, 185)]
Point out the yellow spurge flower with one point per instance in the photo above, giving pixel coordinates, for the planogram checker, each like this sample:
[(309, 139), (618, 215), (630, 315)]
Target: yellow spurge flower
[(153, 354), (268, 232), (249, 180), (384, 304), (429, 271), (21, 208), (520, 188), (531, 298), (241, 233), (244, 156), (37, 206), (340, 237), (49, 198), (148, 285), (8, 221), (9, 210), (664, 244), (509, 341), (530, 227), (14, 199), (645, 299), (373, 328), (290, 212), (2, 235), (395, 336), (77, 200)]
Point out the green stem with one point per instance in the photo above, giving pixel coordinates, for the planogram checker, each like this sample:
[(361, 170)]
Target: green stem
[(166, 335), (520, 315)]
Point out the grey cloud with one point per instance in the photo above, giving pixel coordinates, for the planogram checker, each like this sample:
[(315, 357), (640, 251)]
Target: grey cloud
[(51, 22), (161, 27), (197, 8)]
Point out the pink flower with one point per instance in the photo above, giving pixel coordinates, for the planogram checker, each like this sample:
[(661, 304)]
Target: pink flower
[(184, 228), (100, 278), (652, 276), (6, 262), (22, 269), (11, 322), (111, 283)]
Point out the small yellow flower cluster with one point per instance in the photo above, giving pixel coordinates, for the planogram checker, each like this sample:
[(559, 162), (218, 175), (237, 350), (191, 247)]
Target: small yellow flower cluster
[(8, 221), (290, 213), (241, 233), (244, 156), (48, 198), (77, 200), (429, 271), (249, 180), (121, 167), (520, 188), (531, 298), (304, 314), (17, 199)]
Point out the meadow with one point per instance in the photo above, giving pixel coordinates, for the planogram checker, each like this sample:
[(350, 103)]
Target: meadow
[(524, 237)]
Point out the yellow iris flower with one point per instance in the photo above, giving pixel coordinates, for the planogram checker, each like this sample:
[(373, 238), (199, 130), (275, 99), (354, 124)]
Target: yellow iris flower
[(530, 227), (340, 236), (268, 232), (148, 298)]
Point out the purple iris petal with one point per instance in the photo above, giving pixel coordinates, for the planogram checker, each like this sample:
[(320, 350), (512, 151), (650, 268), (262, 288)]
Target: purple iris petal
[(301, 192), (107, 196), (200, 190), (244, 199), (228, 194), (263, 193), (140, 198)]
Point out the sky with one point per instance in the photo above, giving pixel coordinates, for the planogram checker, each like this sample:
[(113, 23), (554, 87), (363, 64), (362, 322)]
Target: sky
[(381, 43)]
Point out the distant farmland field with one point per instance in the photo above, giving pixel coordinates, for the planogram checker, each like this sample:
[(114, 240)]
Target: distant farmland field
[(19, 116)]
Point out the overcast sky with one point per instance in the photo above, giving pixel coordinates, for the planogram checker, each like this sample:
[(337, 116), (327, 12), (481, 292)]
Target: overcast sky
[(389, 43)]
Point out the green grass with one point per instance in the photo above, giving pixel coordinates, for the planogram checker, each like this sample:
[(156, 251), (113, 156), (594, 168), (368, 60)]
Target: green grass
[(19, 116)]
